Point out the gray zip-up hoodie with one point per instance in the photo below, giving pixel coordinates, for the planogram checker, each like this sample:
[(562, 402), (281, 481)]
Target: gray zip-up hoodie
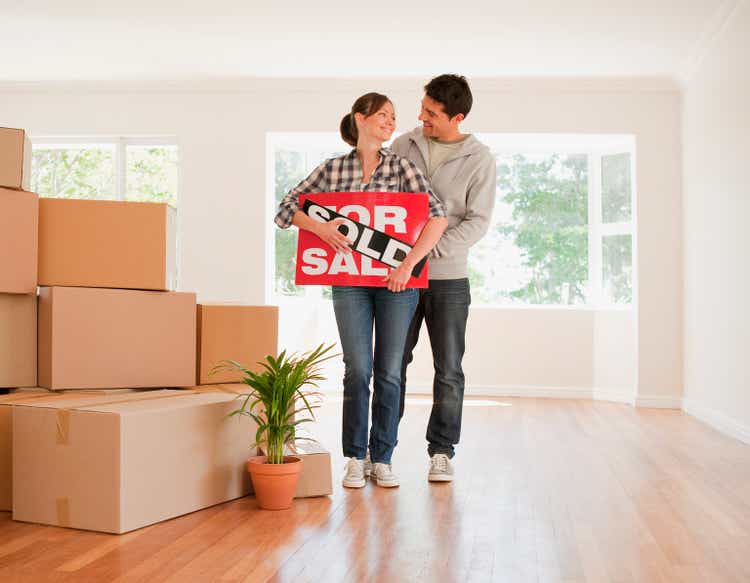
[(466, 183)]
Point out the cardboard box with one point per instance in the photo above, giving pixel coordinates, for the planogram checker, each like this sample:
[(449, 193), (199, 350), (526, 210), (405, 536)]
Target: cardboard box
[(116, 463), (18, 340), (246, 334), (15, 159), (19, 217), (6, 438), (102, 243), (106, 338), (316, 477)]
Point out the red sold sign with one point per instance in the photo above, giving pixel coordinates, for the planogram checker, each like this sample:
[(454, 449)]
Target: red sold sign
[(382, 227)]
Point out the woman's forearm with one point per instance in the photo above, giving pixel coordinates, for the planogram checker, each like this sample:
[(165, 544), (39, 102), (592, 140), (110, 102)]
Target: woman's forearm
[(302, 221), (429, 237)]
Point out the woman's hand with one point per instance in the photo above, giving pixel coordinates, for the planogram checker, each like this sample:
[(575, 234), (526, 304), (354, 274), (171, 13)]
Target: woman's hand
[(330, 234), (399, 277)]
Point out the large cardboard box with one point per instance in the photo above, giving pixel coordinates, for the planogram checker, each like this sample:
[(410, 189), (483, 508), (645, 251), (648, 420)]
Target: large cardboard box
[(246, 334), (115, 464), (15, 159), (106, 338), (19, 217), (101, 243), (18, 340), (316, 477)]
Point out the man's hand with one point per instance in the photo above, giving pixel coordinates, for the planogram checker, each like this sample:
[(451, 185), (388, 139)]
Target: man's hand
[(330, 234), (399, 277)]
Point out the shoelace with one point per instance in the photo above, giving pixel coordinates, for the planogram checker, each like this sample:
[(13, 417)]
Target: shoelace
[(440, 463)]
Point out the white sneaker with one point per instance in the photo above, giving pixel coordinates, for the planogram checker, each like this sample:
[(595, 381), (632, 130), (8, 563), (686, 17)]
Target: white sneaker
[(384, 475), (441, 469), (368, 465), (355, 474)]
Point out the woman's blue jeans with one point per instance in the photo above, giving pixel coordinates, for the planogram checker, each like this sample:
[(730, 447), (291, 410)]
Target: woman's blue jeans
[(357, 309)]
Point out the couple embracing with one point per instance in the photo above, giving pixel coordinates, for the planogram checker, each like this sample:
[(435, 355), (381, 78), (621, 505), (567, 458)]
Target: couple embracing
[(458, 173)]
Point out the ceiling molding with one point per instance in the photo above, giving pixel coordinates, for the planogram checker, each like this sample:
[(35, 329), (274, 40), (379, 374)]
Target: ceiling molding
[(715, 29), (228, 85)]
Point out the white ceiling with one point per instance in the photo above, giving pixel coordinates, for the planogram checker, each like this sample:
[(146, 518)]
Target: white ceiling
[(191, 39)]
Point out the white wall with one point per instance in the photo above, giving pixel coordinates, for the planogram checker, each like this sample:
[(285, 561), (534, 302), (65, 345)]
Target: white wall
[(538, 350), (717, 238), (224, 219), (614, 345)]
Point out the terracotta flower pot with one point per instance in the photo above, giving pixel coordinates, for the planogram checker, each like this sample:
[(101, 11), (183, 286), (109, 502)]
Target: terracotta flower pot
[(274, 484)]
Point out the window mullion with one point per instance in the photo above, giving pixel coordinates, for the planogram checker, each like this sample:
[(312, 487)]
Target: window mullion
[(595, 235), (607, 229), (121, 169)]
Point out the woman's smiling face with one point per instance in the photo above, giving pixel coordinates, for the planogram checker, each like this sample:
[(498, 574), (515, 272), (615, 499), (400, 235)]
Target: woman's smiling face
[(380, 125)]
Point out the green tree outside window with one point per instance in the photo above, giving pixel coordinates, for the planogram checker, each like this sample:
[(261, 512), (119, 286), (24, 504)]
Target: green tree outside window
[(87, 173), (548, 226)]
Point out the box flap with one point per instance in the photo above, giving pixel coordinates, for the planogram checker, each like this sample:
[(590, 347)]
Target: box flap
[(89, 401)]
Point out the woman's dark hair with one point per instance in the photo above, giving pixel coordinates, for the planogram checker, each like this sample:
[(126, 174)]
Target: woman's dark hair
[(453, 92), (368, 104)]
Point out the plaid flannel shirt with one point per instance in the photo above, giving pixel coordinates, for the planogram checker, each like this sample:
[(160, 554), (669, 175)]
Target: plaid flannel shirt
[(344, 174)]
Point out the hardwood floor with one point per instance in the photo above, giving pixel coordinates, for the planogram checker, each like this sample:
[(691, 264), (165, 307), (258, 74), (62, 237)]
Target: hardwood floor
[(546, 490)]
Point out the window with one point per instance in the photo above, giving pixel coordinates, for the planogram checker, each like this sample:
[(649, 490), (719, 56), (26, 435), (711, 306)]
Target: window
[(143, 170), (561, 233), (536, 249), (616, 228)]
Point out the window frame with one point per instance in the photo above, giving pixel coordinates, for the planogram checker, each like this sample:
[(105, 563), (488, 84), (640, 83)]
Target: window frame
[(619, 228), (594, 147)]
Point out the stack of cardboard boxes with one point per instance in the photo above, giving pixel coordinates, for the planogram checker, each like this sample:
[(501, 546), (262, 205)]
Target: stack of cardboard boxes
[(85, 453), (19, 212)]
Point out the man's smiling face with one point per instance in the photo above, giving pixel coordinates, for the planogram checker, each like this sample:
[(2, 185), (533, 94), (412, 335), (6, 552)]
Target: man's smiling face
[(435, 122)]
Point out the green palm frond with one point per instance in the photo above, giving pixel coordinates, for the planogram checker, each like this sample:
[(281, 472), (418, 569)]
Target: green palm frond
[(286, 386)]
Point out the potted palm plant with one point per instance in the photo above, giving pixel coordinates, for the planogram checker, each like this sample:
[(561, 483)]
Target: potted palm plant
[(287, 385)]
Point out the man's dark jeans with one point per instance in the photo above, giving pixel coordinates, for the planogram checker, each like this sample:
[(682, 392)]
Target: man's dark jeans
[(444, 307)]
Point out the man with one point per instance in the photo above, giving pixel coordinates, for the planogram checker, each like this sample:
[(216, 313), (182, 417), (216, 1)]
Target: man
[(462, 173)]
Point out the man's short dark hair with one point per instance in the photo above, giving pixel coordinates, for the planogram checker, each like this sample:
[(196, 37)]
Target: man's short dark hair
[(453, 92)]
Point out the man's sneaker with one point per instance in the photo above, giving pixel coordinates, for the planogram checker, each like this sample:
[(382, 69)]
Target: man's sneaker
[(355, 474), (384, 475), (368, 465), (441, 469)]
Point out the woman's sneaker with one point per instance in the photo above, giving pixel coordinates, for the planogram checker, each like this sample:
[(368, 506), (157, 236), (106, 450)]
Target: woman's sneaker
[(441, 469), (384, 475), (355, 474)]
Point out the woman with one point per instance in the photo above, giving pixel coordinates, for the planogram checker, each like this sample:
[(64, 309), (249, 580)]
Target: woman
[(369, 167)]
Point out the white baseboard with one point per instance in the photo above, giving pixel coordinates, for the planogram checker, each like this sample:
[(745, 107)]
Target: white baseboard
[(717, 420), (659, 402), (546, 392), (614, 395), (536, 391)]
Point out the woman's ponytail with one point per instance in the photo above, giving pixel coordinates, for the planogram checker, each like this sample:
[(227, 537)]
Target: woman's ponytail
[(348, 129)]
